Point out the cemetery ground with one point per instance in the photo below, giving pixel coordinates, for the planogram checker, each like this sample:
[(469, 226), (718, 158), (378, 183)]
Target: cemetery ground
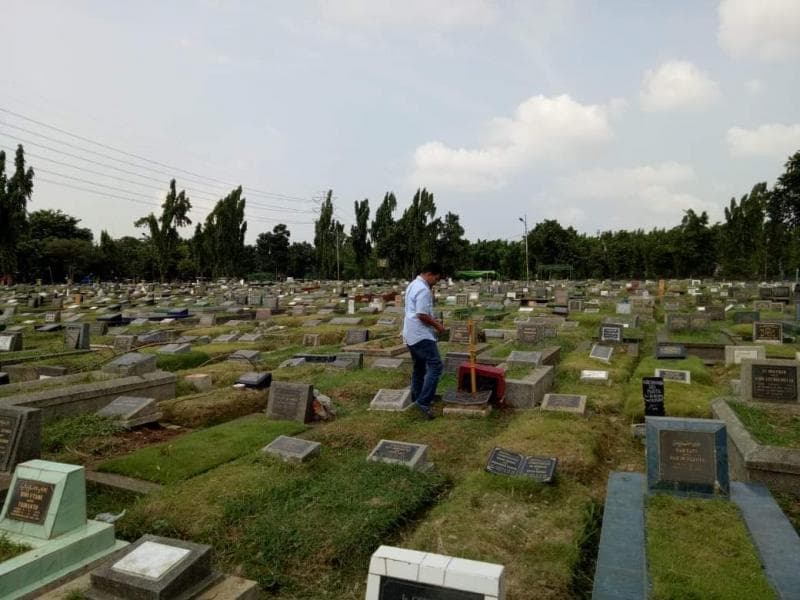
[(307, 529)]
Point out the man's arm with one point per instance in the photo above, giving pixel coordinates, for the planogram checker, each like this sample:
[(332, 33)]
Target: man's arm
[(430, 322)]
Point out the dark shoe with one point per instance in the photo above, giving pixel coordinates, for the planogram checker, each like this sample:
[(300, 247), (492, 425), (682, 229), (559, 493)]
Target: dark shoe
[(426, 411)]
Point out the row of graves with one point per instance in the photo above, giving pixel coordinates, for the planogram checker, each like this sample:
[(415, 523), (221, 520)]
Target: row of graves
[(550, 353)]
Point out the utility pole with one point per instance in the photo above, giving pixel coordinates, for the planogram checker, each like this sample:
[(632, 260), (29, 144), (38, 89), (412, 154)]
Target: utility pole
[(336, 224), (527, 262)]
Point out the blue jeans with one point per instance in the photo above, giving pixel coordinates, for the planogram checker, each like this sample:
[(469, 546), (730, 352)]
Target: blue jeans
[(427, 370)]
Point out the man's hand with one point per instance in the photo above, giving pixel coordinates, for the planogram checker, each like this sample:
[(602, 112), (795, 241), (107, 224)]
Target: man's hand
[(431, 322)]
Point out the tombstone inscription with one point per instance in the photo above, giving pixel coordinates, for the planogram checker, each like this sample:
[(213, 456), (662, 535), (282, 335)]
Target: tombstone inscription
[(507, 462), (770, 380), (290, 401), (653, 395), (413, 456)]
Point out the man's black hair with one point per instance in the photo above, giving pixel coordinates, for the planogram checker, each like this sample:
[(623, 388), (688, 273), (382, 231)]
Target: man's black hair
[(433, 268)]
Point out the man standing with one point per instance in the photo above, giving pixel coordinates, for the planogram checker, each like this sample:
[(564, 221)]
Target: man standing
[(419, 334)]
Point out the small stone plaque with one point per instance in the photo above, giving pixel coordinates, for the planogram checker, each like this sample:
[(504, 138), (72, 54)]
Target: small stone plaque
[(520, 357), (676, 375), (588, 375), (573, 403), (611, 332), (462, 398), (290, 401), (255, 379), (774, 382), (687, 457), (413, 456), (506, 462), (528, 333), (387, 363), (767, 332), (670, 351), (391, 400), (30, 500), (356, 336), (76, 336), (10, 343), (653, 395), (151, 560), (601, 352), (292, 448)]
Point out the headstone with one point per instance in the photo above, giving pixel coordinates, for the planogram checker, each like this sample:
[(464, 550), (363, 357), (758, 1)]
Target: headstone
[(131, 411), (734, 355), (52, 317), (251, 356), (770, 380), (677, 375), (290, 402), (175, 349), (678, 322), (311, 339), (413, 456), (592, 376), (771, 333), (10, 342), (507, 462), (653, 395), (256, 380), (345, 321), (747, 316), (388, 363), (601, 352), (611, 333), (523, 358), (20, 435), (459, 333), (356, 336), (401, 574), (292, 449), (124, 343), (348, 360), (572, 403), (528, 333), (132, 363), (155, 568), (391, 400), (687, 456), (670, 350), (76, 336), (251, 337), (207, 320), (623, 308), (201, 382)]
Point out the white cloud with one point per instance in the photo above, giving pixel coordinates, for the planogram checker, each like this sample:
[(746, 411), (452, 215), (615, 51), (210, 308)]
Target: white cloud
[(773, 140), (542, 129), (765, 29), (642, 196), (442, 14), (677, 85), (754, 87)]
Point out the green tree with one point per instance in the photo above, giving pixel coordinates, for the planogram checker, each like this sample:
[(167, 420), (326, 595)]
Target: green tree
[(359, 240), (15, 192), (272, 250), (300, 260), (451, 247), (163, 230), (223, 236)]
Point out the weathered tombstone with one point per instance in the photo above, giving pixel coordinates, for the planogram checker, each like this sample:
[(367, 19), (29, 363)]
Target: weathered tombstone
[(76, 336), (208, 320), (132, 363), (770, 333), (507, 462), (388, 363), (575, 305), (20, 435), (413, 456), (746, 316), (131, 411), (292, 449), (52, 317), (715, 313), (573, 403), (688, 456), (528, 333), (677, 375), (290, 401), (256, 380), (348, 360), (311, 339), (155, 568), (611, 333), (653, 395), (250, 356), (251, 337), (401, 574), (734, 355), (678, 322), (670, 350), (593, 376), (124, 343), (459, 332), (601, 352), (699, 321), (770, 380), (524, 358), (623, 308), (356, 336), (391, 400), (175, 349), (10, 342)]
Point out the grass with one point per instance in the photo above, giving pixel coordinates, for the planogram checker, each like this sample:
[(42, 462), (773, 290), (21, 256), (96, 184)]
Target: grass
[(9, 549), (213, 407), (178, 362), (686, 562), (769, 426), (200, 451), (270, 521), (70, 432), (100, 499)]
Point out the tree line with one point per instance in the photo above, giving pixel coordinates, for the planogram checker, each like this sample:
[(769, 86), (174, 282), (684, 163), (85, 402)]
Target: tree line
[(759, 238)]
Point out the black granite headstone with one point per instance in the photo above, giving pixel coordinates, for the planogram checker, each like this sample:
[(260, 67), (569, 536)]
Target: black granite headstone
[(653, 394), (506, 462)]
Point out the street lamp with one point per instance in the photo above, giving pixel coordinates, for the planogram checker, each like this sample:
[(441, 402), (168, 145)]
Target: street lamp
[(527, 263)]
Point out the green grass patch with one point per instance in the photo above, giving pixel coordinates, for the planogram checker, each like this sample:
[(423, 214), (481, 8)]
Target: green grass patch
[(781, 350), (101, 498), (71, 432), (686, 562), (178, 362), (9, 549), (769, 426), (273, 521), (200, 451)]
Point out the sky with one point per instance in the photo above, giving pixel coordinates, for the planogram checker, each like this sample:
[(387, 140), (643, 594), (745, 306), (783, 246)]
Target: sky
[(601, 114)]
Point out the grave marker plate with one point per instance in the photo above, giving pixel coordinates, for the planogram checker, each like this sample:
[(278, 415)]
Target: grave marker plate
[(506, 462), (30, 500), (391, 400), (588, 375), (653, 395), (677, 375), (402, 589), (611, 333), (767, 332), (667, 350), (413, 456), (774, 382), (292, 448), (601, 352), (573, 403), (290, 401)]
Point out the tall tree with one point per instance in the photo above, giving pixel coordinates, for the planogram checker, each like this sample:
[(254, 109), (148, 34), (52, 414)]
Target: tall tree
[(163, 230), (413, 240), (272, 250), (224, 234), (325, 238), (451, 247), (359, 237), (15, 192)]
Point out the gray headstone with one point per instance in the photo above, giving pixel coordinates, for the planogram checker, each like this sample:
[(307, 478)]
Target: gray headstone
[(391, 400), (413, 456), (292, 448), (131, 411), (290, 402)]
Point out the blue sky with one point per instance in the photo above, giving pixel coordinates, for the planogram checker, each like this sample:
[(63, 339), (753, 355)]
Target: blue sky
[(601, 114)]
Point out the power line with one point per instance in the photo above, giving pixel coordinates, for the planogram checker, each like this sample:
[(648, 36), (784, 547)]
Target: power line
[(138, 157)]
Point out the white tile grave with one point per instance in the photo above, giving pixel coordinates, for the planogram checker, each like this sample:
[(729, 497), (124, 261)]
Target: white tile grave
[(151, 560)]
